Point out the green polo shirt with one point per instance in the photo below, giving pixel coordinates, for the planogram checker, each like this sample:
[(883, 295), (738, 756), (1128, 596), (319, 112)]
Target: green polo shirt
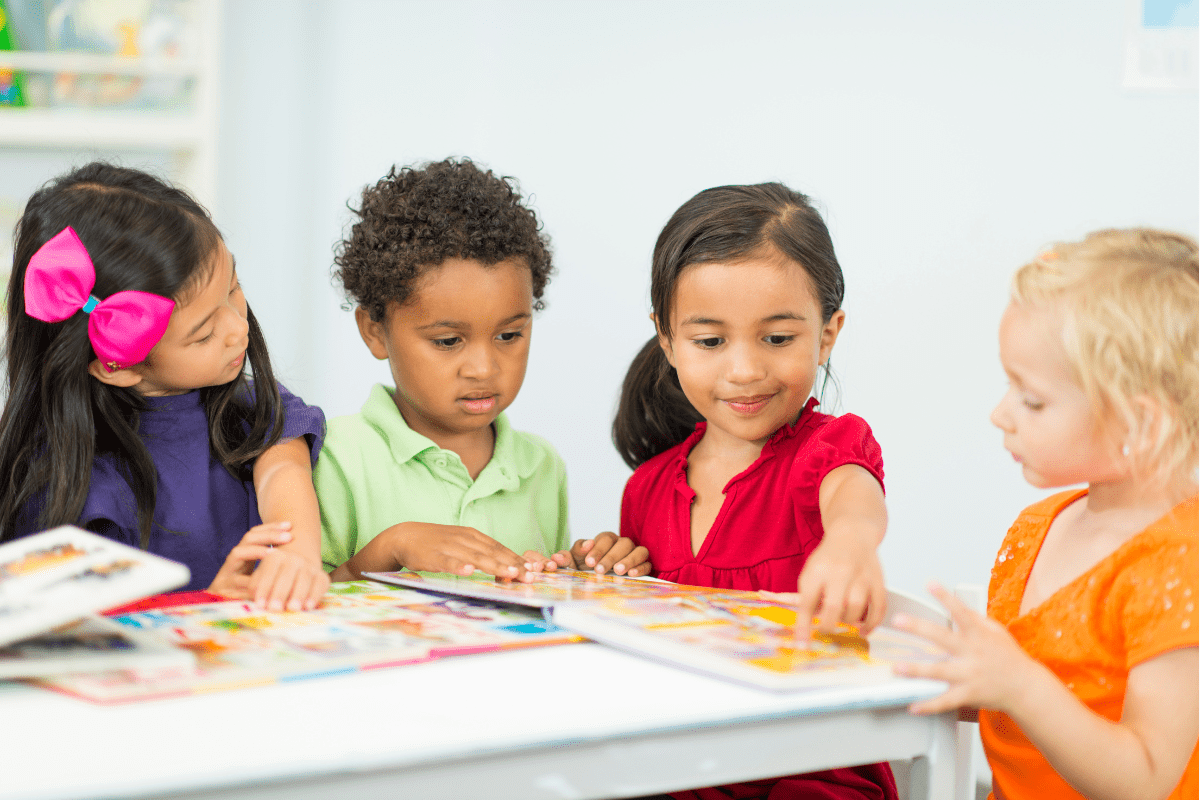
[(374, 471)]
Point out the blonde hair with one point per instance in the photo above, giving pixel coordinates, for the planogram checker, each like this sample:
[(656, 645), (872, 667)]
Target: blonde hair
[(1129, 300)]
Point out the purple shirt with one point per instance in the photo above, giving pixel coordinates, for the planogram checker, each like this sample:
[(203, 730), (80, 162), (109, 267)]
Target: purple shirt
[(202, 511)]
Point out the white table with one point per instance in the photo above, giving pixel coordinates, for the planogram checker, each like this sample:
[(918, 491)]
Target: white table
[(560, 723)]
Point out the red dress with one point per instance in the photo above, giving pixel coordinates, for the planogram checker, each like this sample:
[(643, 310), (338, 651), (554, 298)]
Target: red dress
[(768, 524)]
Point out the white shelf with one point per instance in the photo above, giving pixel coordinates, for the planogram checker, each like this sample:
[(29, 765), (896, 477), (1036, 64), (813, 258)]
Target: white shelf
[(88, 64), (190, 133), (70, 128)]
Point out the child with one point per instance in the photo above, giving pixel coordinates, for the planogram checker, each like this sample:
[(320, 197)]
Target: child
[(446, 267), (739, 482), (128, 409), (1085, 667)]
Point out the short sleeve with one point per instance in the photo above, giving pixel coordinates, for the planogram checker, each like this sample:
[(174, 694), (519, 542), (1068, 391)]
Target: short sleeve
[(630, 519), (564, 521), (1160, 608), (301, 419), (110, 508), (339, 531), (837, 442)]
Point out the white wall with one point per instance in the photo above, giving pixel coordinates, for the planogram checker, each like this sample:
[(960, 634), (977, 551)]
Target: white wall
[(946, 142)]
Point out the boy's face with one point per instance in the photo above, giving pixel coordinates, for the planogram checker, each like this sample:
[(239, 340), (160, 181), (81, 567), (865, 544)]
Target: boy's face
[(458, 348)]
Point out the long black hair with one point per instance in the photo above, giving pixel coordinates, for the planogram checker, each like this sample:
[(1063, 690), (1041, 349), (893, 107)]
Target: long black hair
[(725, 223), (142, 234)]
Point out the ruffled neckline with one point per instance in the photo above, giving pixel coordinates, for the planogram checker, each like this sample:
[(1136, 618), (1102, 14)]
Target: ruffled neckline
[(803, 420)]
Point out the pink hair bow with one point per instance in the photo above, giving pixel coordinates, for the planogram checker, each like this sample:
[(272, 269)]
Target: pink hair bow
[(123, 327)]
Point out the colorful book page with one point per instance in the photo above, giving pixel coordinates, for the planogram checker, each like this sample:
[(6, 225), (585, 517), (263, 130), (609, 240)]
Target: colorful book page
[(747, 639), (66, 573), (547, 588), (167, 600), (359, 625), (89, 645)]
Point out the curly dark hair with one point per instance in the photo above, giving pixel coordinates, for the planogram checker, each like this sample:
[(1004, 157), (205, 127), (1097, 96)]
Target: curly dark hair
[(417, 217)]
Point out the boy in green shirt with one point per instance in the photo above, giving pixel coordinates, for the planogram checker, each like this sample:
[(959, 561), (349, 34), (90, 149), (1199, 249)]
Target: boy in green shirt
[(446, 267)]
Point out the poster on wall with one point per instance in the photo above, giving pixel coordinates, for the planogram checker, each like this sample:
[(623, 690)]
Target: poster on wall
[(1161, 45)]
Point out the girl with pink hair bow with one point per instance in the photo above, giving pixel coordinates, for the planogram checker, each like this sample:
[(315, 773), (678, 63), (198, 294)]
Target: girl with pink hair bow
[(130, 407)]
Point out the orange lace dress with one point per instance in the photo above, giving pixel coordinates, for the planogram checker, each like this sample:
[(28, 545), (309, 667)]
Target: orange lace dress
[(1137, 603)]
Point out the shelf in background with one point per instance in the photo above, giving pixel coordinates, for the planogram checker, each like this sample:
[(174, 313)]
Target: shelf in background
[(71, 127), (89, 64)]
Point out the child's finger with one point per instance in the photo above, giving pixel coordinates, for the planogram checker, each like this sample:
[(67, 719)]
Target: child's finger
[(833, 611), (636, 563), (536, 562), (807, 602), (950, 700), (244, 554), (642, 570), (963, 615), (488, 555), (269, 533), (876, 610), (581, 548), (617, 551), (602, 543), (281, 588), (265, 538), (265, 575), (939, 635), (299, 593), (502, 568), (856, 605), (241, 584), (317, 590)]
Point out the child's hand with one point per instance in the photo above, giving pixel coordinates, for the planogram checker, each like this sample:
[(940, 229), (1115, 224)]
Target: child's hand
[(233, 579), (285, 579), (609, 552), (429, 547), (536, 562), (840, 583), (986, 667)]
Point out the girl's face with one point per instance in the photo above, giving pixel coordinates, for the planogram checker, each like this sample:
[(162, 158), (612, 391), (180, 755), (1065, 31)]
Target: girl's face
[(747, 338), (458, 347), (1048, 423), (205, 342)]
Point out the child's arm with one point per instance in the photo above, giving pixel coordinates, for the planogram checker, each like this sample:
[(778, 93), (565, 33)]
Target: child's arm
[(292, 576), (842, 580), (427, 546), (1142, 756)]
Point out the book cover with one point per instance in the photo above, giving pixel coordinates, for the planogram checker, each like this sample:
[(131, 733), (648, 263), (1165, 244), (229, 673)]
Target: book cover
[(359, 625), (66, 573), (89, 645)]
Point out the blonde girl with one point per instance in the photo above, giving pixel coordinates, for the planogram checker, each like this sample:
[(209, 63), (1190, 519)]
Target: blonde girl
[(1085, 667)]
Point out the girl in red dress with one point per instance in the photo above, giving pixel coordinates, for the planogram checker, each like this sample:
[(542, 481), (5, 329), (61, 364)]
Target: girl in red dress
[(739, 482)]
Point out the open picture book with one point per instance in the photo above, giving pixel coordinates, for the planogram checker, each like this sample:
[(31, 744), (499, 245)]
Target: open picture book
[(737, 635), (359, 625), (91, 644), (61, 575)]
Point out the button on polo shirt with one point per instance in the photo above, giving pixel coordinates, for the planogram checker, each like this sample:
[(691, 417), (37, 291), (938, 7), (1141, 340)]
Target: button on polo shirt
[(375, 471)]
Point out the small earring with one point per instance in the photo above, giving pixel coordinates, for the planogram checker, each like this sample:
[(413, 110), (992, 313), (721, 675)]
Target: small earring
[(1125, 450)]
